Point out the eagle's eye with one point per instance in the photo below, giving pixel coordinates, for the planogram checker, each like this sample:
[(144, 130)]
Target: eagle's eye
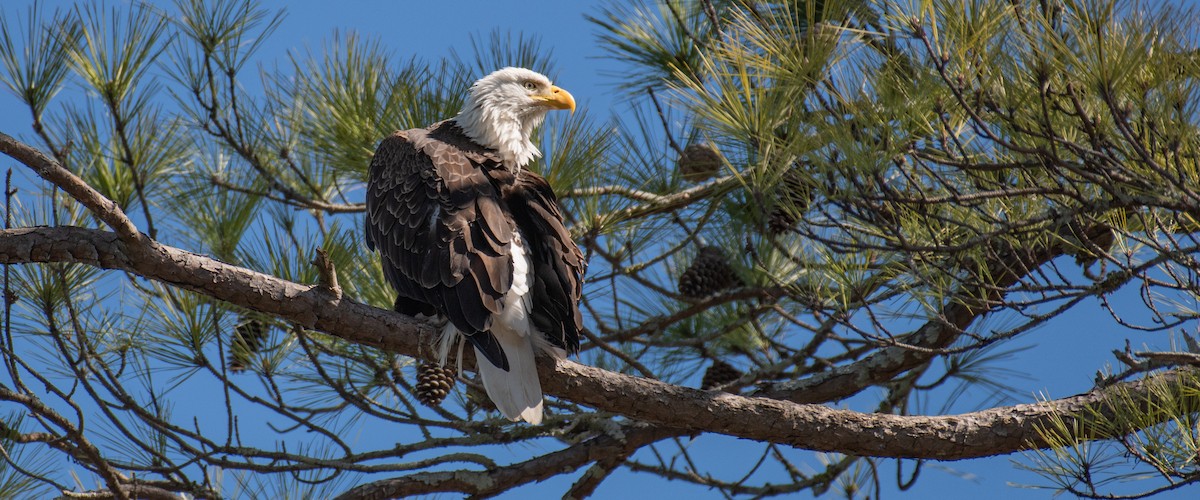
[(530, 86)]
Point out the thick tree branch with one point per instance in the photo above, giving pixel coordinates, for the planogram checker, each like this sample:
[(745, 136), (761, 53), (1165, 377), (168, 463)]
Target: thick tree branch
[(985, 433), (310, 306)]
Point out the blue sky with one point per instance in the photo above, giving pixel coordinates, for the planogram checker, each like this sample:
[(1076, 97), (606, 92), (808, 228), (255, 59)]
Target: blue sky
[(1062, 361)]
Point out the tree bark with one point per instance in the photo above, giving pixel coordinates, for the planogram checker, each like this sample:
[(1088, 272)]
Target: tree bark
[(952, 437)]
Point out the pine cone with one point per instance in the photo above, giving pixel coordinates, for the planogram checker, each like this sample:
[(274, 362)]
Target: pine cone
[(433, 383), (708, 274), (720, 373), (249, 336), (699, 162)]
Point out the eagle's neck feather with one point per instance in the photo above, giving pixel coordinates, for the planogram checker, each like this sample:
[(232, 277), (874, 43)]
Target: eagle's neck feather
[(502, 129)]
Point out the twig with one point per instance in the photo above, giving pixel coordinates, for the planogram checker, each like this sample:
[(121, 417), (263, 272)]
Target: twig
[(289, 199), (500, 479), (713, 18), (671, 6), (629, 360), (666, 125), (10, 297), (126, 157), (327, 273), (596, 474)]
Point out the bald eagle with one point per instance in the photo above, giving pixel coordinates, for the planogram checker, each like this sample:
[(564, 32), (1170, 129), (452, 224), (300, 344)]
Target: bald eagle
[(468, 235)]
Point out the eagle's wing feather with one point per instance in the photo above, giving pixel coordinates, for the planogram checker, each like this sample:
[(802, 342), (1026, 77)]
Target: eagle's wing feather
[(436, 219), (558, 265)]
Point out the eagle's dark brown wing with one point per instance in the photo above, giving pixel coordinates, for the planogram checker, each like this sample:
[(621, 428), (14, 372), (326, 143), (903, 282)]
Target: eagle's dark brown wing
[(435, 216), (558, 265)]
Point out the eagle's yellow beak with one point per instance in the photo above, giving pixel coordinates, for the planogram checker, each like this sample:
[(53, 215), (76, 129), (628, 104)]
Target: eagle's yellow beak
[(557, 99)]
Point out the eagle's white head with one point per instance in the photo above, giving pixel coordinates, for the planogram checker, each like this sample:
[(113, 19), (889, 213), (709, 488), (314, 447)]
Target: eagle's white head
[(504, 107)]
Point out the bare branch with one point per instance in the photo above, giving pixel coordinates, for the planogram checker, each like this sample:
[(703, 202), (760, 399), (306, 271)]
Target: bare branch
[(49, 169), (628, 192), (918, 347), (490, 482), (138, 491), (295, 201), (327, 273), (670, 202)]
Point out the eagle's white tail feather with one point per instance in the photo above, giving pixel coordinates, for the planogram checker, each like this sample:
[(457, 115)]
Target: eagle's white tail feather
[(516, 392)]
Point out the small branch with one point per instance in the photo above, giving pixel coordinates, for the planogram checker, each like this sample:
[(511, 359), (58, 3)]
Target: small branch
[(596, 474), (83, 451), (48, 168), (496, 480), (1006, 266), (674, 201), (10, 297), (1170, 358), (288, 199), (327, 273), (662, 116), (138, 491), (711, 12), (126, 157), (633, 194)]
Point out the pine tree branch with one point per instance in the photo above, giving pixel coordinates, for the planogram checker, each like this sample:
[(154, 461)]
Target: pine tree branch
[(596, 474), (985, 433), (48, 168), (673, 201), (1007, 267), (138, 491), (82, 450), (624, 191), (501, 479), (678, 410), (288, 199)]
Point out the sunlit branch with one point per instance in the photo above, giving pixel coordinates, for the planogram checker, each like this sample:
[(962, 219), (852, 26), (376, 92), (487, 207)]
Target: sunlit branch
[(800, 425), (104, 209)]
